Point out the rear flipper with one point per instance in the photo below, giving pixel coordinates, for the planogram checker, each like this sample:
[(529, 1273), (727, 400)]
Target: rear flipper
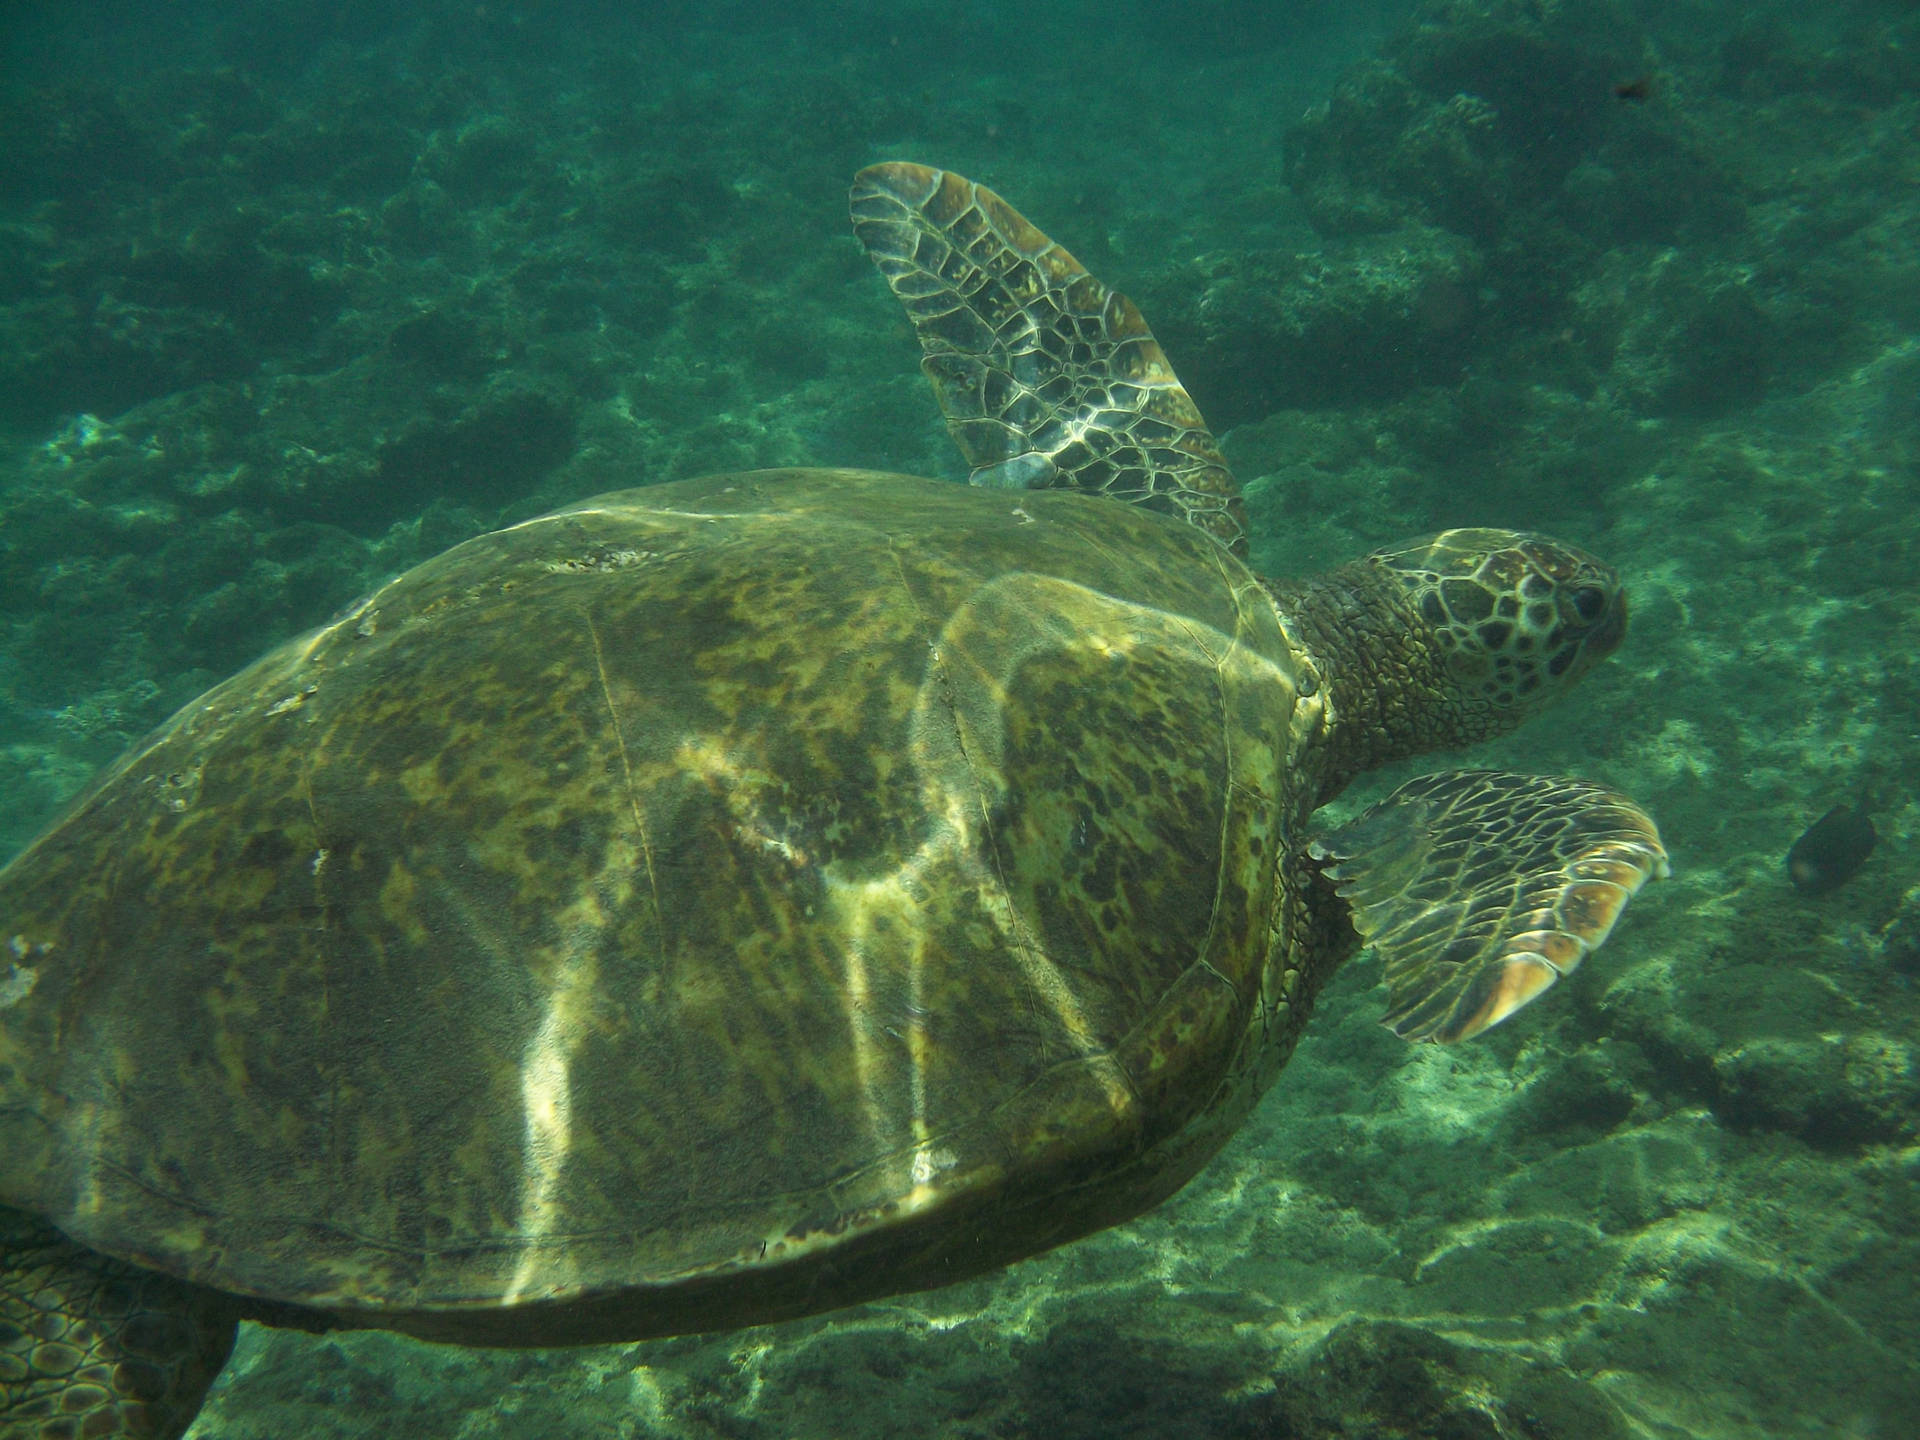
[(94, 1349), (1480, 889)]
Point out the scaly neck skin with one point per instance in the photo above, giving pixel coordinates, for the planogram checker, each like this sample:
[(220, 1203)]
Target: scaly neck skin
[(1447, 640), (1388, 692)]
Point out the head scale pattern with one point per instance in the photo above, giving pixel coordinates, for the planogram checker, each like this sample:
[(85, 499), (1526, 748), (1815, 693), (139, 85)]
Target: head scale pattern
[(1518, 617)]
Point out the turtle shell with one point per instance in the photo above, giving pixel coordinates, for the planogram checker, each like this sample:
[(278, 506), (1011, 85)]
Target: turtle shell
[(706, 904)]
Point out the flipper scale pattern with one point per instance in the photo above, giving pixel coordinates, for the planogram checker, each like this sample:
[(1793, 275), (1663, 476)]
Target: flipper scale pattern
[(1048, 379)]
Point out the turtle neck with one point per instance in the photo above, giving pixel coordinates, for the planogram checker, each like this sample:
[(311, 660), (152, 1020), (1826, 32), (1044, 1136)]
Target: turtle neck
[(1389, 695)]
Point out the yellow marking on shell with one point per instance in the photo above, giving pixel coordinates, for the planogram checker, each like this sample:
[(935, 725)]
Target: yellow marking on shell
[(634, 806), (422, 781), (399, 906), (953, 791), (860, 906), (861, 903), (289, 703), (738, 786), (958, 733), (632, 512), (956, 746), (857, 987), (572, 974), (546, 1102), (1224, 649)]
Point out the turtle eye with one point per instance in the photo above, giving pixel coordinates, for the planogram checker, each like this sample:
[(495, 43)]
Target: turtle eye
[(1589, 602)]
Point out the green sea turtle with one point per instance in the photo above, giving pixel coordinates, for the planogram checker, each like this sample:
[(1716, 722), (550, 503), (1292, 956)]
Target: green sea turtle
[(725, 900)]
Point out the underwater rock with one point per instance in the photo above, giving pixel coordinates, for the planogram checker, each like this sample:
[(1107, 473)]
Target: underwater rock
[(1899, 938), (1500, 125), (1472, 119), (1373, 1378), (1696, 339), (1589, 1093), (1373, 315), (1831, 1092)]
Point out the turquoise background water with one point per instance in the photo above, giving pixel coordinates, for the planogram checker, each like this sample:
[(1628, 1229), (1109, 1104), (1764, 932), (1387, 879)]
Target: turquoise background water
[(292, 297)]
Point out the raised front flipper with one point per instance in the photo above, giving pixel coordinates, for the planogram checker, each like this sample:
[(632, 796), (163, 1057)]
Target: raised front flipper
[(93, 1349), (1048, 379), (1479, 889)]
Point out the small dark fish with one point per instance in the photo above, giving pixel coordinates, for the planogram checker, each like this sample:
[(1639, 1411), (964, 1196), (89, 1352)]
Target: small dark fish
[(1636, 91), (1833, 849)]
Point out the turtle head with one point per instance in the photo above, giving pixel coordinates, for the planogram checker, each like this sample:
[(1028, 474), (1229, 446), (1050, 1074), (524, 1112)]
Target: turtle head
[(1513, 619), (1448, 640)]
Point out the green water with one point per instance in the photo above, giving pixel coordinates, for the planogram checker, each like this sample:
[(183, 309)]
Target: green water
[(291, 303)]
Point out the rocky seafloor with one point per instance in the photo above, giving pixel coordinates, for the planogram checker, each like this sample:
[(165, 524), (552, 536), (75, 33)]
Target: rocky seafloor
[(289, 303)]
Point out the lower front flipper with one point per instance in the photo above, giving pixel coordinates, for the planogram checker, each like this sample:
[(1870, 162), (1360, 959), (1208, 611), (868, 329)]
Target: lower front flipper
[(1480, 889), (95, 1349)]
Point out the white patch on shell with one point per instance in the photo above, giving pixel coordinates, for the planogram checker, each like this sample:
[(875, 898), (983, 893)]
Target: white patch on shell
[(16, 984), (293, 702), (598, 561), (17, 981), (546, 1101), (546, 1074)]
